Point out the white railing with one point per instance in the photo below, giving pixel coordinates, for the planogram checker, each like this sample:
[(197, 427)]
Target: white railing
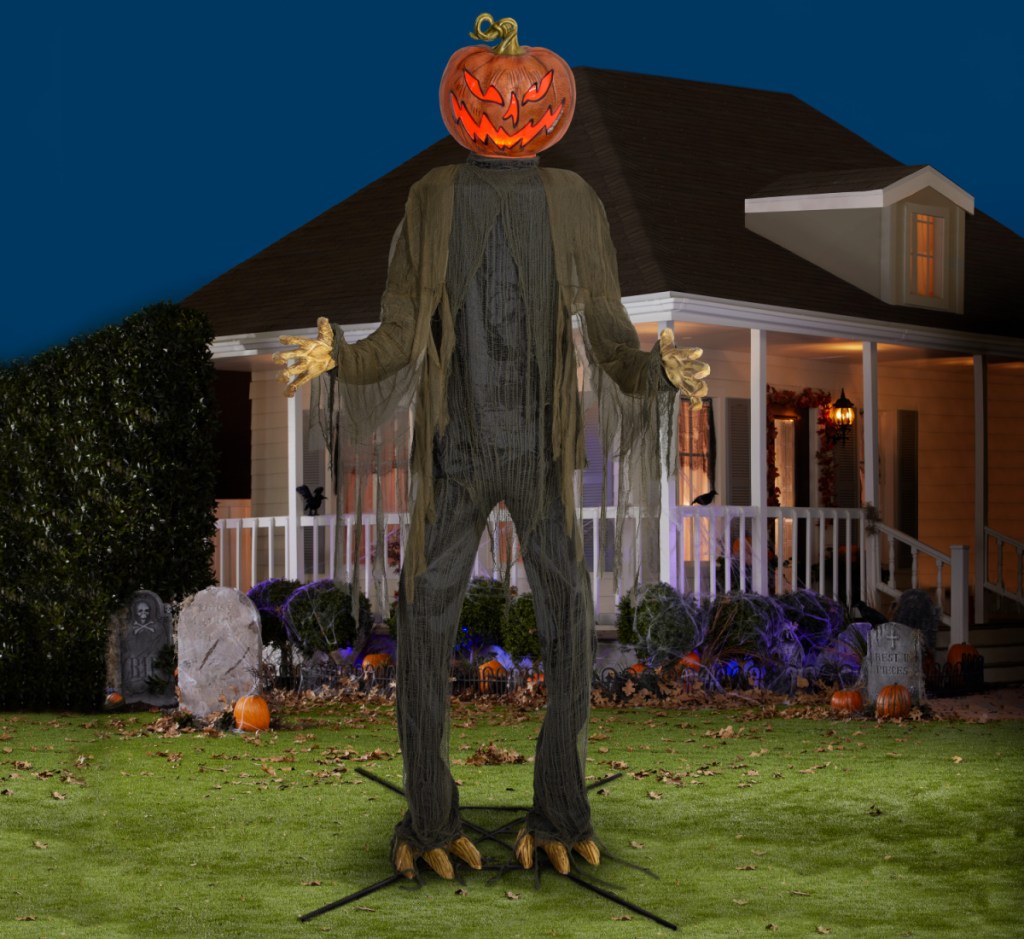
[(947, 574), (1004, 565), (712, 550), (709, 550)]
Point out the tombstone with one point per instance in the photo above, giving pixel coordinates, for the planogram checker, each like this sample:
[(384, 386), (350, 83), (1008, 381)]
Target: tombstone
[(219, 650), (894, 657), (139, 634)]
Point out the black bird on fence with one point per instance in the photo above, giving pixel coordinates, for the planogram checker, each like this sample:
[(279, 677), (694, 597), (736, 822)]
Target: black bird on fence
[(705, 498), (313, 500)]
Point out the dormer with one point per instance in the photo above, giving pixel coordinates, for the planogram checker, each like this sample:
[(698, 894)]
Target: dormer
[(896, 232)]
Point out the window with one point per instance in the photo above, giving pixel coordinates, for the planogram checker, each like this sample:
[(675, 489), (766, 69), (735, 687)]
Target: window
[(929, 271), (927, 238), (696, 452)]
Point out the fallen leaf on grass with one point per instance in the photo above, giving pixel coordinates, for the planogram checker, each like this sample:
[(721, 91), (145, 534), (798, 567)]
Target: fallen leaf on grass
[(41, 845), (636, 844), (25, 919), (654, 795), (741, 902), (462, 892), (59, 796), (367, 909), (6, 792), (799, 893), (621, 919), (958, 759), (512, 896), (311, 883), (823, 931), (874, 810), (746, 867), (772, 927)]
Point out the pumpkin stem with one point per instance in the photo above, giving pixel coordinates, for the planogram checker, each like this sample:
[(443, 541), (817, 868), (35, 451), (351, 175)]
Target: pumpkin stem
[(506, 30)]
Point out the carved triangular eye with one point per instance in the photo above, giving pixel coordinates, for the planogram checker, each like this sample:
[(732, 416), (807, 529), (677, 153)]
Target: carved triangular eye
[(536, 92), (492, 93)]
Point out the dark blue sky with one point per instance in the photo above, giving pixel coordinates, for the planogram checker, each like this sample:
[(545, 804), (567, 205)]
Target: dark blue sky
[(148, 148)]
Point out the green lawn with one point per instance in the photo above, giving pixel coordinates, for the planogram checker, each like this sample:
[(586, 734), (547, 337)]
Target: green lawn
[(755, 824)]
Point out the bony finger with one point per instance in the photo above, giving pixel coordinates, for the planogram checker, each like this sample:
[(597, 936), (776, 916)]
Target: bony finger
[(667, 339), (325, 330)]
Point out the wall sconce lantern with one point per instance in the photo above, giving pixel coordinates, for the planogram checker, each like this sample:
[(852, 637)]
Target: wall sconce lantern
[(842, 415)]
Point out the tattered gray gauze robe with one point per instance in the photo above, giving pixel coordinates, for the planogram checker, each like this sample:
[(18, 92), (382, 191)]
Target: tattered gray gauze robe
[(493, 259)]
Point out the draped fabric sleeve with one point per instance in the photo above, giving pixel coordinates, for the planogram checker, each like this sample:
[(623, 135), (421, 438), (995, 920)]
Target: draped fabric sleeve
[(387, 389), (636, 403)]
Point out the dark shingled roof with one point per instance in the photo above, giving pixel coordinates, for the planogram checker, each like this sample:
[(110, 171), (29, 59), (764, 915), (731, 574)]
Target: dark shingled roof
[(866, 180), (673, 162)]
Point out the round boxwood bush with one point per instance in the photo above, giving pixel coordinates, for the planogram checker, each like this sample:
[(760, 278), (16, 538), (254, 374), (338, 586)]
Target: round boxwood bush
[(320, 616), (520, 637), (657, 622), (269, 598), (483, 612)]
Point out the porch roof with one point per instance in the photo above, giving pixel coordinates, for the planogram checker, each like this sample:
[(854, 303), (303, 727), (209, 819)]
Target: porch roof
[(673, 161)]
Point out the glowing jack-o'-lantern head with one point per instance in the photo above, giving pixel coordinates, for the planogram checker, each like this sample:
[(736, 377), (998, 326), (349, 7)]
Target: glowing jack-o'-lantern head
[(507, 101)]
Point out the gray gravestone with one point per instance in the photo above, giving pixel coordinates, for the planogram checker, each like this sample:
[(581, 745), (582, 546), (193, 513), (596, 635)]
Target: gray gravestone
[(894, 658), (219, 649), (143, 632)]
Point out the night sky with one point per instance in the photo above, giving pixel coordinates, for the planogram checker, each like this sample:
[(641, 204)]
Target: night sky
[(149, 148)]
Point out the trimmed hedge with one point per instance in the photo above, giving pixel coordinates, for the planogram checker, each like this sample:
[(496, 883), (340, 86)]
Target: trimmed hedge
[(108, 465)]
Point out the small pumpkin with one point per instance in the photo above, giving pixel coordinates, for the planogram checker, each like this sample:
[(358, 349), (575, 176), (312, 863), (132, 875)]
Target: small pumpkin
[(893, 701), (377, 662), (252, 713), (847, 700), (689, 661), (113, 701), (507, 101), (959, 651), (492, 677)]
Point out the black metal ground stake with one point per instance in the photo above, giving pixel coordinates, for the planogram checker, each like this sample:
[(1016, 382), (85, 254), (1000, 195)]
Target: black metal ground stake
[(492, 835), (358, 895)]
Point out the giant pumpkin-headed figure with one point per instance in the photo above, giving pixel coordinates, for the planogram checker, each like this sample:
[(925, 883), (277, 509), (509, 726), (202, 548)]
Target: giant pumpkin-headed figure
[(494, 261)]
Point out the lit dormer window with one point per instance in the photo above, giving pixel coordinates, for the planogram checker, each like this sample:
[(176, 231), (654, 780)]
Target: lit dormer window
[(926, 255), (933, 246)]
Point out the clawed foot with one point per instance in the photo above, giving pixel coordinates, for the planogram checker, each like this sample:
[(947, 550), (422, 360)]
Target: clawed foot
[(557, 852), (437, 858)]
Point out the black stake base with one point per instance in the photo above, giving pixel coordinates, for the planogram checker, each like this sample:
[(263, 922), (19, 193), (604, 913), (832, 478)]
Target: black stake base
[(494, 835)]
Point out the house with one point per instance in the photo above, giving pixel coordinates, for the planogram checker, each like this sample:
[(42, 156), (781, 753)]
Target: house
[(807, 264)]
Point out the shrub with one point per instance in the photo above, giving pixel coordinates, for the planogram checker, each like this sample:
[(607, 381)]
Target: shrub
[(269, 598), (109, 464), (483, 613), (660, 624), (520, 638), (320, 616)]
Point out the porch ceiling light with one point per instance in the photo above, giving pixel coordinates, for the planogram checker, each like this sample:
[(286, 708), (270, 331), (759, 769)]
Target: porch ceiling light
[(842, 415)]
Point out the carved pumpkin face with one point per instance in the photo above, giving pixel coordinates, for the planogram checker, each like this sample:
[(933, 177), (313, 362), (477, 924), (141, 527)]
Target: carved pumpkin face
[(512, 101)]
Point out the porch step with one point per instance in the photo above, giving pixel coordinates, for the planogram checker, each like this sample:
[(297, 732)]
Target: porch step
[(1002, 646)]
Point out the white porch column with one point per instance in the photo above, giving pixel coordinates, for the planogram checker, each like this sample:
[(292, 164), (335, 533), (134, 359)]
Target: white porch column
[(758, 459), (869, 559), (293, 537), (980, 486), (667, 561)]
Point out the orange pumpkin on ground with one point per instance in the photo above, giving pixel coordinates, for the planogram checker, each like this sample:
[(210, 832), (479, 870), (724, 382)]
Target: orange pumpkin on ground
[(378, 661), (492, 677), (252, 713), (507, 101), (893, 701), (847, 701), (689, 661), (113, 701)]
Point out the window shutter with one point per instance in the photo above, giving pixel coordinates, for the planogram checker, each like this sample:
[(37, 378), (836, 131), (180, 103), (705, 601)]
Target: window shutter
[(737, 451)]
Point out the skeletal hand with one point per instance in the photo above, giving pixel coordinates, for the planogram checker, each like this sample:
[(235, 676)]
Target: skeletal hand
[(684, 368), (311, 358)]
